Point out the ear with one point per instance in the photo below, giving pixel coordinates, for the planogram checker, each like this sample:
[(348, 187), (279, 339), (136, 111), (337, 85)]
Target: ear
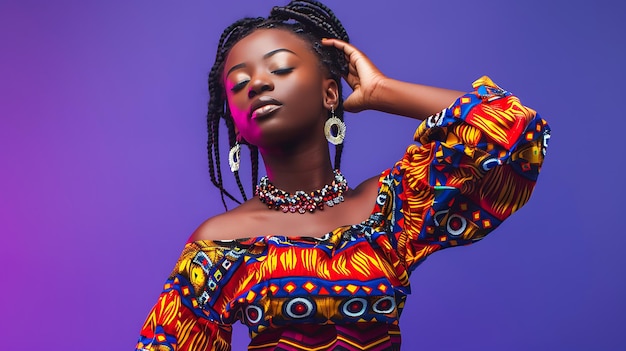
[(331, 93)]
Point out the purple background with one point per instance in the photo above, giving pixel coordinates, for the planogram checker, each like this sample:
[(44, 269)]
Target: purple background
[(104, 174)]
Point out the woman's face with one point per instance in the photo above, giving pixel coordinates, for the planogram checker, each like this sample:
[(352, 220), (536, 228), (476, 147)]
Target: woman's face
[(276, 89)]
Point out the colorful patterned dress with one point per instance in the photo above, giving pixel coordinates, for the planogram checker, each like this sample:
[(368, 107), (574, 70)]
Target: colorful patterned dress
[(477, 164)]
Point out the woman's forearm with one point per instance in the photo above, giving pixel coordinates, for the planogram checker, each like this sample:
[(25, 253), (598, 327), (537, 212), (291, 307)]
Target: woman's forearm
[(411, 100)]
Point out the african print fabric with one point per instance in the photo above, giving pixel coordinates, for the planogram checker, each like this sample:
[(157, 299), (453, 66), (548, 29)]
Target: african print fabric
[(477, 164)]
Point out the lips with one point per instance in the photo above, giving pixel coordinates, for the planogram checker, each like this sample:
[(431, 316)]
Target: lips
[(264, 106)]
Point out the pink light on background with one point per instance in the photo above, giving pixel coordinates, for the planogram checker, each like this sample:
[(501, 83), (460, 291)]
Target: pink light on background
[(103, 165)]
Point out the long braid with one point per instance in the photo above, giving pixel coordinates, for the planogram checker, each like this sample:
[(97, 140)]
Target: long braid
[(308, 19), (254, 160), (232, 139), (218, 107), (338, 152), (214, 164)]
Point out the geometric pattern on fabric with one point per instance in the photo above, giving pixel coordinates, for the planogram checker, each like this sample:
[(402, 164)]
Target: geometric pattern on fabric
[(477, 163), (360, 336)]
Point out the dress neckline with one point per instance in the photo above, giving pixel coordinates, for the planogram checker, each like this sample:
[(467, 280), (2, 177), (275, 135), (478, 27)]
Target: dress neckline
[(375, 219), (371, 221)]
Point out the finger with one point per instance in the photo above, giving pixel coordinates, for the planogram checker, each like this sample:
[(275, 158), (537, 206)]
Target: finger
[(352, 70), (351, 105), (353, 82), (341, 45)]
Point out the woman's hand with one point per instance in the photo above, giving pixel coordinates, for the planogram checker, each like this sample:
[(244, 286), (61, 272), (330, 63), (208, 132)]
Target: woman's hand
[(363, 77), (372, 90)]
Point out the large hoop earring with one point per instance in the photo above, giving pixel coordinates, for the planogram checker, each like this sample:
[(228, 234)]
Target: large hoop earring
[(234, 157), (338, 125)]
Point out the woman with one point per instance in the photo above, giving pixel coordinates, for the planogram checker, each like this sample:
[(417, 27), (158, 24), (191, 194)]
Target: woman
[(309, 263)]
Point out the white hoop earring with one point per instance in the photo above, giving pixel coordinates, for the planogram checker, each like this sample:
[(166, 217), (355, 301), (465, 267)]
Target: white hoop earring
[(233, 157), (338, 125)]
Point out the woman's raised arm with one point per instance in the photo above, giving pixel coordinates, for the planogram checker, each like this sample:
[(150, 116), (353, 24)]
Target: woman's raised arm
[(372, 90)]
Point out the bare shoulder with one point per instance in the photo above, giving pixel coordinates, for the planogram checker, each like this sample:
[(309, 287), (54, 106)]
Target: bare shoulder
[(252, 218), (368, 188), (226, 226), (361, 200)]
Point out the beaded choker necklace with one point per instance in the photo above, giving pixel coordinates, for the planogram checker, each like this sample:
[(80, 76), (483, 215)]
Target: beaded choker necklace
[(300, 201)]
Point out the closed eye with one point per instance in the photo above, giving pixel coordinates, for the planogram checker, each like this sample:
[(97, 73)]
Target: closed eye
[(282, 71), (237, 87)]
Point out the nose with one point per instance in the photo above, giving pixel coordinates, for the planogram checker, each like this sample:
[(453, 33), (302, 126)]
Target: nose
[(260, 84)]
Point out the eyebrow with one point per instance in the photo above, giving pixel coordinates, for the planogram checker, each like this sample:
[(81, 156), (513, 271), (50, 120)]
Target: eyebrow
[(274, 52), (266, 56)]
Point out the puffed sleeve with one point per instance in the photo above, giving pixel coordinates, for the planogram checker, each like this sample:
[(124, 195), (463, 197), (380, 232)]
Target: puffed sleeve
[(477, 164), (183, 318)]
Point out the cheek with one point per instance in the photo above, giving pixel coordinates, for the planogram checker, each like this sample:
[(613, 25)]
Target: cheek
[(236, 111), (246, 130), (309, 94)]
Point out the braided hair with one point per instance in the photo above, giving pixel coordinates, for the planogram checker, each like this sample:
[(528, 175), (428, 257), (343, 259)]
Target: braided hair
[(308, 19)]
